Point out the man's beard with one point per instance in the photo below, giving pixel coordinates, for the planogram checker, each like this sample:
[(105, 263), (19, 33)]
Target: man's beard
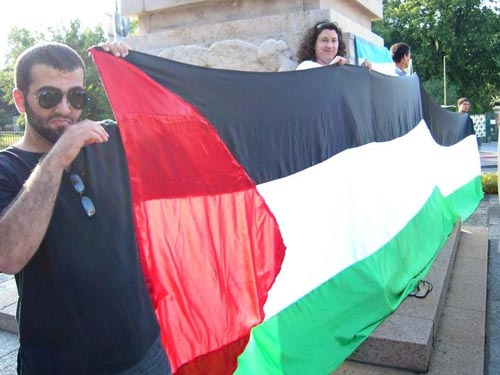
[(41, 125)]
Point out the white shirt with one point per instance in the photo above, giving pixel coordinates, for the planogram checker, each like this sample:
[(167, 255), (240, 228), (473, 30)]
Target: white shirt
[(308, 64), (399, 72)]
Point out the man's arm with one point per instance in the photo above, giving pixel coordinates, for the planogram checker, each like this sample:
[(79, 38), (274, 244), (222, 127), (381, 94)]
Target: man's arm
[(24, 222)]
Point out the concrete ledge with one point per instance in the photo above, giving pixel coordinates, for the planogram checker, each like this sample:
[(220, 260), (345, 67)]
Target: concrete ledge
[(405, 339)]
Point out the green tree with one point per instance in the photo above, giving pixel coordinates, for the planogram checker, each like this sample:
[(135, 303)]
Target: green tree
[(18, 39), (134, 26), (434, 87), (465, 31), (80, 40), (74, 36), (7, 109)]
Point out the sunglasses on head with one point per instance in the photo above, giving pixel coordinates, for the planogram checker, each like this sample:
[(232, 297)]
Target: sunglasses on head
[(322, 24), (49, 97)]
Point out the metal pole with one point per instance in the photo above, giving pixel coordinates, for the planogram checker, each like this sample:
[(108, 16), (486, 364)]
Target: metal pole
[(444, 78)]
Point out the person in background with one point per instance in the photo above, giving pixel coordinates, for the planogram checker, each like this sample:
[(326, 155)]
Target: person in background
[(401, 55), (67, 231), (463, 106), (322, 45)]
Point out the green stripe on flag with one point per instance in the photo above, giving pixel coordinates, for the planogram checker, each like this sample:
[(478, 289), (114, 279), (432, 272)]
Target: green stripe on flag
[(318, 332), (466, 199)]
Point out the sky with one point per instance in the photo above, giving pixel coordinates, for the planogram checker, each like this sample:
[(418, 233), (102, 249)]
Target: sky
[(40, 14)]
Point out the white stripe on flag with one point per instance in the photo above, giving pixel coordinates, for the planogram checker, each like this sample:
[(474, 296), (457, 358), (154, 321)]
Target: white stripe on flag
[(340, 211)]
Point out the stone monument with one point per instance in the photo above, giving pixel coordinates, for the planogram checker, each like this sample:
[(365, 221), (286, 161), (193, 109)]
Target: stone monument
[(253, 35)]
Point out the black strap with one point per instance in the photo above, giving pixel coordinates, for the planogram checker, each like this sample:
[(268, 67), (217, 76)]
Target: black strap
[(422, 289)]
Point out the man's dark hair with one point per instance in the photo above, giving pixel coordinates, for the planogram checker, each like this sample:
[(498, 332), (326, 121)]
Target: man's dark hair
[(399, 50), (55, 55), (306, 50)]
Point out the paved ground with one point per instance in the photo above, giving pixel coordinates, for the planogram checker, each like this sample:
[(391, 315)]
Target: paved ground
[(489, 160), (489, 214), (492, 349), (488, 152), (8, 353)]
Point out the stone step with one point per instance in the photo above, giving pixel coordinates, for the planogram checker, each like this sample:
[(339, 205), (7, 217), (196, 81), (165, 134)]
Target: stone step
[(8, 303), (405, 339)]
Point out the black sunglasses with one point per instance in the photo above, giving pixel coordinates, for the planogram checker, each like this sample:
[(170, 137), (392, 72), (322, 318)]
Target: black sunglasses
[(87, 204), (48, 97)]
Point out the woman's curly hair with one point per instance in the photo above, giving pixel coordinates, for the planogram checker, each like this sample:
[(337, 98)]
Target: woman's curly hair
[(306, 50)]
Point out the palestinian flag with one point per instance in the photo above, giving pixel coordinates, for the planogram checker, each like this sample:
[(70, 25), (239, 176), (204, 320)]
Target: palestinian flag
[(281, 217)]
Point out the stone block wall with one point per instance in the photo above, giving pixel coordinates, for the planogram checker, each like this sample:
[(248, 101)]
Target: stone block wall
[(243, 34)]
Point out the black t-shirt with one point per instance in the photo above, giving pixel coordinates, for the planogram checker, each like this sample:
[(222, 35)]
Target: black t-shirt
[(83, 304), (470, 126)]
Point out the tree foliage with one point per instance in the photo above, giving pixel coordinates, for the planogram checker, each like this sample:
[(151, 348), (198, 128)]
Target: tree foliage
[(7, 109), (465, 31), (74, 36)]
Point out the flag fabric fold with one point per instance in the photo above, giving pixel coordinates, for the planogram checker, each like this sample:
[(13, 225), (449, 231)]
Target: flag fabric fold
[(350, 171)]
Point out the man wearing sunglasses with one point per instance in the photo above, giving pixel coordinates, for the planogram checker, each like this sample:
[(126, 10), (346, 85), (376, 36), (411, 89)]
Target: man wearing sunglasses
[(67, 233)]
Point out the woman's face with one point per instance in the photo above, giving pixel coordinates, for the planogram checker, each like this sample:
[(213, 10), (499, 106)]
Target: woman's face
[(326, 47)]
